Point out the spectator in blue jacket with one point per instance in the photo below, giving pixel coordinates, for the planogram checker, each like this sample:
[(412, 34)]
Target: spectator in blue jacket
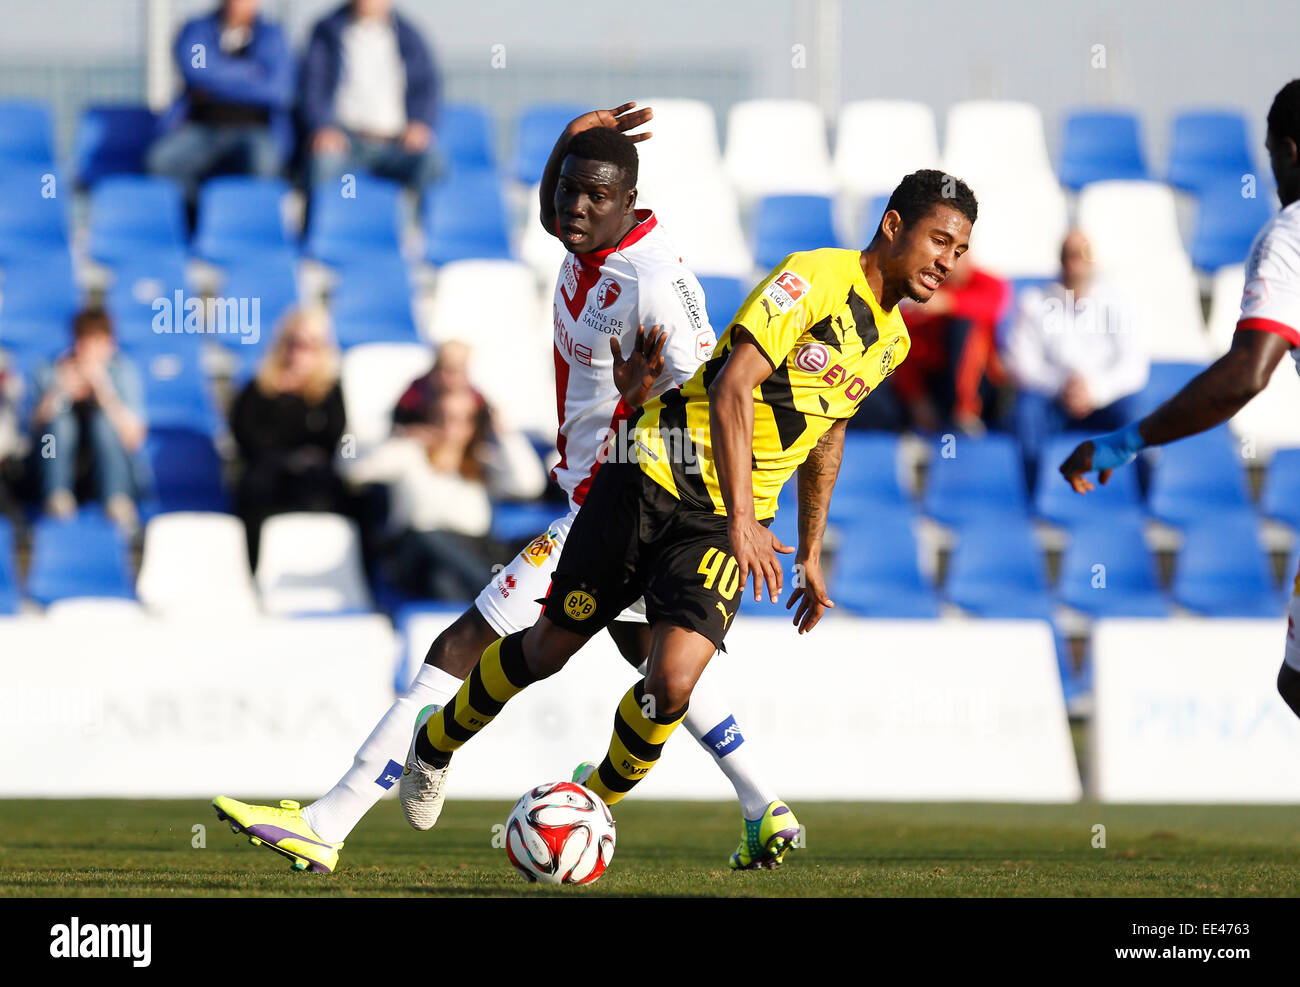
[(369, 96), (235, 113)]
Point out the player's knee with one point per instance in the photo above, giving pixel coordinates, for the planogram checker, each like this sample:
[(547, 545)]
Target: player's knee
[(458, 648), (1288, 687), (547, 648), (670, 690)]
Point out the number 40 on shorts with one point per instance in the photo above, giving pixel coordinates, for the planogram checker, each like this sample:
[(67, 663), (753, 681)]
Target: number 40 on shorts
[(716, 562)]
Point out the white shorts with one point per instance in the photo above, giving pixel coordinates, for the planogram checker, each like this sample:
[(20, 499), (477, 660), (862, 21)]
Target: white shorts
[(511, 601)]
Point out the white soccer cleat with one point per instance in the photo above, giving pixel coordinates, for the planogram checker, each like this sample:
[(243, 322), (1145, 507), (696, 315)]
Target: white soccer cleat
[(421, 789)]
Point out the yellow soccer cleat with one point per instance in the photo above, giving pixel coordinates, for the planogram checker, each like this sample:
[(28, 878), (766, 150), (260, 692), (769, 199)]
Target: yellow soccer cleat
[(283, 830), (766, 839)]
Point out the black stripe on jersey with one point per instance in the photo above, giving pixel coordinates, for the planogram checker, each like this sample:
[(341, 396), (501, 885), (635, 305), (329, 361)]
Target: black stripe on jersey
[(712, 368), (863, 320), (690, 483), (778, 395), (824, 332)]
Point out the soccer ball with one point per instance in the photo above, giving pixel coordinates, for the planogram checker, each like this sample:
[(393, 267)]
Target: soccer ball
[(560, 833)]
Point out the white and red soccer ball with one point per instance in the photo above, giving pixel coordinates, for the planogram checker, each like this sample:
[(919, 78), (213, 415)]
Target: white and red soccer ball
[(560, 833)]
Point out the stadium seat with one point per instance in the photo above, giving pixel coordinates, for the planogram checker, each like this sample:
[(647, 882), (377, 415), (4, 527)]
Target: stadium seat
[(38, 299), (311, 564), (170, 584), (514, 521), (32, 220), (131, 214), (186, 472), (1225, 305), (240, 217), (1056, 501), (786, 223), (536, 130), (176, 391), (1198, 477), (112, 140), (878, 141), (1108, 571), (1280, 497), (1227, 221), (1206, 146), (26, 134), (341, 229), (997, 570), (371, 303), (989, 141), (685, 145), (142, 293), (1101, 145), (459, 296), (1223, 570), (542, 252), (269, 285), (702, 216), (465, 138), (465, 217), (778, 147), (1117, 215), (375, 375), (983, 480), (876, 571), (870, 478), (1021, 226), (722, 300), (1164, 380), (873, 211), (9, 592), (82, 556)]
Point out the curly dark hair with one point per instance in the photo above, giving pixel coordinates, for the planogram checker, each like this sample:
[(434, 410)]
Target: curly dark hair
[(920, 191), (607, 144), (1284, 114)]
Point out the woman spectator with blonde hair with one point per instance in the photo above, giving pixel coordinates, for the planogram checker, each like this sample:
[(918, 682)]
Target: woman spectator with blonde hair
[(287, 423)]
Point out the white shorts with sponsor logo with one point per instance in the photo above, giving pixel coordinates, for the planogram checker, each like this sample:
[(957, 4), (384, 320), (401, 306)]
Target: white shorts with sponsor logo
[(510, 601)]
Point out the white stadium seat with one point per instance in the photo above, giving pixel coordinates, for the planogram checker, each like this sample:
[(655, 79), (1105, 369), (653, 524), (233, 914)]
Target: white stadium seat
[(310, 563), (375, 375), (777, 147), (685, 138), (1020, 228), (881, 140), (702, 216), (994, 140), (1225, 304), (541, 252), (196, 563)]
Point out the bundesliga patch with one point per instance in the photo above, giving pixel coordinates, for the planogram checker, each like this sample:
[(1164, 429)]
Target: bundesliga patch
[(785, 290), (539, 549)]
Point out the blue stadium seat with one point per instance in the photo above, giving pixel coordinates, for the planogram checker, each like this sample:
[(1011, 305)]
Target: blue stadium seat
[(876, 571), (464, 218), (786, 223), (514, 521), (465, 138), (536, 130), (1206, 146), (40, 299), (722, 300), (186, 472), (1164, 381), (142, 300), (1280, 497), (1108, 571), (1223, 570), (982, 479), (1226, 222), (342, 229), (1056, 501), (112, 140), (873, 211), (9, 593), (268, 284), (1101, 145), (869, 478), (1011, 310), (997, 570), (33, 216), (134, 214), (240, 217), (1197, 478), (26, 135), (83, 556), (176, 391), (372, 304)]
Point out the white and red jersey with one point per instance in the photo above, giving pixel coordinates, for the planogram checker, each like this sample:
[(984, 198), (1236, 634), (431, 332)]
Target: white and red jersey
[(641, 282), (1271, 298)]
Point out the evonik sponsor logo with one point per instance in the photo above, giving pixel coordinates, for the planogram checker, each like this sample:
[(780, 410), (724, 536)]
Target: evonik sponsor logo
[(102, 941)]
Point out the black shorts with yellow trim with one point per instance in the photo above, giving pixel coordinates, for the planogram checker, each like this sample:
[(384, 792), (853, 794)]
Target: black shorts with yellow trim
[(633, 538)]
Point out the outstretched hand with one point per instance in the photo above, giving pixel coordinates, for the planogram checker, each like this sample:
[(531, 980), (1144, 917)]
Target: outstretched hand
[(635, 376), (1079, 463), (810, 592), (621, 118)]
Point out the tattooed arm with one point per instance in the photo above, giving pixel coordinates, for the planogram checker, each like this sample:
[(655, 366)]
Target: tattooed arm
[(816, 481)]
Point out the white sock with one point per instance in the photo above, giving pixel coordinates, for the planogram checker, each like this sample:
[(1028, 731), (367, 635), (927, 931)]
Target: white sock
[(378, 763), (709, 720)]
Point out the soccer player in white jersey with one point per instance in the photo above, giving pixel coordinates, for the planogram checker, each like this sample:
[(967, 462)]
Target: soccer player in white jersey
[(1268, 328), (629, 323)]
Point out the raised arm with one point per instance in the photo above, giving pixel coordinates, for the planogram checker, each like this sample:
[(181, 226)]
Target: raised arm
[(621, 118)]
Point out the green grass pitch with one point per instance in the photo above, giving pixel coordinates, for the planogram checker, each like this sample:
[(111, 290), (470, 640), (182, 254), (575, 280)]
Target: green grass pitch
[(145, 848)]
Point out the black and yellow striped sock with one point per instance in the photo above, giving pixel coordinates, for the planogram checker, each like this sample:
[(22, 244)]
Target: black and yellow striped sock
[(635, 746), (498, 676)]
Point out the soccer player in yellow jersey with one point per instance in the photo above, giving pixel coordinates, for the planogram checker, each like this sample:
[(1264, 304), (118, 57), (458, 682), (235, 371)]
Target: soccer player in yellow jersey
[(680, 514)]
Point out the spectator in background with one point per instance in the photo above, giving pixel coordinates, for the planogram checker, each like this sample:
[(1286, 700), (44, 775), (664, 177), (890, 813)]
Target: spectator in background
[(89, 422), (287, 423), (369, 96), (11, 444), (235, 114), (448, 458), (1074, 356), (951, 371)]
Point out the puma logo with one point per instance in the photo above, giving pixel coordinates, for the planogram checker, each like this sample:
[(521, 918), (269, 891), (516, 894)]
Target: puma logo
[(726, 617), (771, 314)]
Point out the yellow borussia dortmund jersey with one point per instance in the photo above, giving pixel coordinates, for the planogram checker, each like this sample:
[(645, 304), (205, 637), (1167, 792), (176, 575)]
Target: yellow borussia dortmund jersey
[(830, 343)]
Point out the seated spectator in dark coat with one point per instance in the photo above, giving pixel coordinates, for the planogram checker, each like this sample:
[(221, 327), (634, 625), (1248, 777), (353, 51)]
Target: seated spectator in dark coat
[(89, 423), (235, 114), (369, 96), (11, 441), (287, 423)]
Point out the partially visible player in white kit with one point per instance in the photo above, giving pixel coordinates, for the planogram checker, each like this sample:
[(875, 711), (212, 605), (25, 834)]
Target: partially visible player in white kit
[(1268, 328), (630, 323)]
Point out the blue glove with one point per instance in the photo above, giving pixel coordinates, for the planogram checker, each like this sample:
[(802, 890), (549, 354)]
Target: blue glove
[(1117, 448)]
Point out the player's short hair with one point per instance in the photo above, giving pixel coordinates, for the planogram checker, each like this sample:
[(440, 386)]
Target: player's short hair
[(91, 321), (607, 144), (1284, 114), (921, 191)]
